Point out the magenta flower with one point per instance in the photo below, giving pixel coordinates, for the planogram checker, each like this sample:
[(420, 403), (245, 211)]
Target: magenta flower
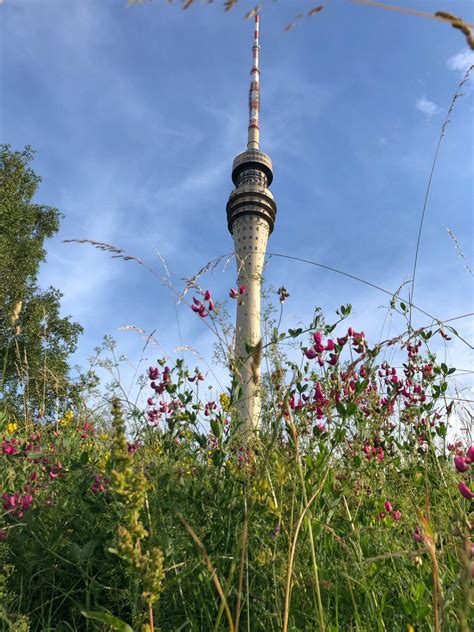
[(233, 293), (207, 295), (470, 454), (153, 373), (330, 345), (465, 491), (310, 353), (211, 305), (460, 464), (388, 506), (242, 289), (396, 515), (417, 535), (317, 337), (334, 358)]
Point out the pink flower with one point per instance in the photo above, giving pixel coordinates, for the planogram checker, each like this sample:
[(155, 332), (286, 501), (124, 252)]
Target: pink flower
[(242, 289), (460, 464), (233, 293), (417, 535), (153, 373), (396, 515), (317, 337), (207, 295), (150, 401), (465, 491), (388, 506), (310, 353), (470, 454), (211, 306), (330, 345), (334, 358)]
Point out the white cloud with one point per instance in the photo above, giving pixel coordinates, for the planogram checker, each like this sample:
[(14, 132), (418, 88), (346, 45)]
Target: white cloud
[(462, 61), (426, 106)]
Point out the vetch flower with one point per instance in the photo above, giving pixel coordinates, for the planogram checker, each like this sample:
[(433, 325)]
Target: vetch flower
[(465, 491), (460, 464), (470, 454), (388, 506)]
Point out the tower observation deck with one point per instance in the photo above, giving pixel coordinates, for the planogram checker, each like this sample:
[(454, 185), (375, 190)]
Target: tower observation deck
[(251, 213)]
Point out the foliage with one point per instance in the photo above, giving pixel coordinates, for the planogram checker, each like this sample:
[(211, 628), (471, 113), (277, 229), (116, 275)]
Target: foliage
[(349, 511), (35, 340)]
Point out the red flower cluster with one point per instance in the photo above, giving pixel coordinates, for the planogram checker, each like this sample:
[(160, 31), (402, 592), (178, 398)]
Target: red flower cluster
[(200, 308)]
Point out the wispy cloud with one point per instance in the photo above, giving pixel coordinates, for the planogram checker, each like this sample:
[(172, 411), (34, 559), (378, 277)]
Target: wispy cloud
[(462, 61), (426, 106)]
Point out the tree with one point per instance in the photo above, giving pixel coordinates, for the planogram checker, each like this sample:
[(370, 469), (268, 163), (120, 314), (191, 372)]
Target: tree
[(35, 341)]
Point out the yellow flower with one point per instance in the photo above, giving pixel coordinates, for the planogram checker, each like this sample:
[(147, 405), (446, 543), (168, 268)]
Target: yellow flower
[(11, 427), (69, 415), (104, 436), (63, 421), (410, 628), (225, 401)]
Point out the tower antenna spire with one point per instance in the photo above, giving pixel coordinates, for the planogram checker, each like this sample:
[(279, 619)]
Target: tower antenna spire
[(254, 95), (251, 213)]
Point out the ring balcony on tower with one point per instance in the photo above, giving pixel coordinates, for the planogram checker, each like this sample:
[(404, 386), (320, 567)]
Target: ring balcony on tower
[(252, 173)]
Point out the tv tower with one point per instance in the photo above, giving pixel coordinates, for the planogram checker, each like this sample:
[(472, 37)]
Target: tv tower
[(251, 212)]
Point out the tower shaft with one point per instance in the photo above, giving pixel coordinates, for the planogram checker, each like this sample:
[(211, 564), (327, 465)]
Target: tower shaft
[(251, 212)]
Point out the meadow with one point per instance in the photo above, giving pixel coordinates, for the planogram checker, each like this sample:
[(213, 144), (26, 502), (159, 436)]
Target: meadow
[(350, 509)]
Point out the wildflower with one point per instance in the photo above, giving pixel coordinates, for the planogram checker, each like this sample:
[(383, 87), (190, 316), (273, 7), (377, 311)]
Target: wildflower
[(98, 485), (460, 464), (330, 345), (334, 358), (242, 289), (233, 293), (224, 400), (11, 427), (283, 294), (465, 491), (470, 454), (388, 506), (396, 515), (153, 373), (207, 295), (417, 535), (310, 353)]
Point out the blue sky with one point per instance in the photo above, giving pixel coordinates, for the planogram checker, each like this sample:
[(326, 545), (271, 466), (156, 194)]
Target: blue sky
[(136, 113)]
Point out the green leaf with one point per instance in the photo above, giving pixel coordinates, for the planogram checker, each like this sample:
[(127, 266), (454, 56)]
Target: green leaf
[(216, 427), (351, 408), (294, 333), (108, 619), (341, 409)]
